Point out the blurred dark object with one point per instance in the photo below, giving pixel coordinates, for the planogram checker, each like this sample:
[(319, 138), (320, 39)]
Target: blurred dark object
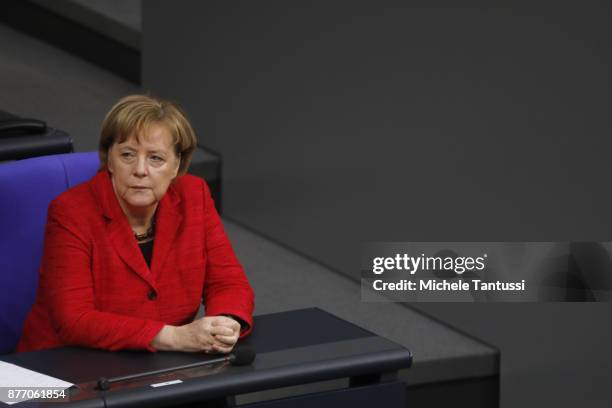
[(21, 138), (590, 272), (587, 276)]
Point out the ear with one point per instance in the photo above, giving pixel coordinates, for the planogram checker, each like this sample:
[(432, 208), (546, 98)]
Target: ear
[(178, 165), (108, 160)]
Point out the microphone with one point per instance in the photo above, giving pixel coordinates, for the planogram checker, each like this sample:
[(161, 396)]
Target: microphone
[(238, 357), (242, 356)]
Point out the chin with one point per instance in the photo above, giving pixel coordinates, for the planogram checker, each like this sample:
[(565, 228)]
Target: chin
[(141, 201), (139, 204)]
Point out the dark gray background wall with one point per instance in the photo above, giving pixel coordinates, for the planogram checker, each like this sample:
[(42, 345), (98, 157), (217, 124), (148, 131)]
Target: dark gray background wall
[(349, 121)]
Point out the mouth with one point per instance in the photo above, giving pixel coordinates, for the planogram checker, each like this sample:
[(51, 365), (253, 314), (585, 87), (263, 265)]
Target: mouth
[(139, 188)]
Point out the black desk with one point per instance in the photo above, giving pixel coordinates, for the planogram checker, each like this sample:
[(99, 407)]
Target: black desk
[(295, 347)]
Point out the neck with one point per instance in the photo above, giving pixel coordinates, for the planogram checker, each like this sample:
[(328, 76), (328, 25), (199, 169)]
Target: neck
[(139, 218)]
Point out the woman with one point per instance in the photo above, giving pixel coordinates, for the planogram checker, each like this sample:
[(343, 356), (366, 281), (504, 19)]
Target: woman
[(130, 254)]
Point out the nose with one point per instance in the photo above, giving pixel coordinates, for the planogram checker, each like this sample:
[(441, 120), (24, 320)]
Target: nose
[(140, 169)]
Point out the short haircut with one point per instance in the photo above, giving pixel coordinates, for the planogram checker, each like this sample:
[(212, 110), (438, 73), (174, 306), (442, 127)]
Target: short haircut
[(132, 114)]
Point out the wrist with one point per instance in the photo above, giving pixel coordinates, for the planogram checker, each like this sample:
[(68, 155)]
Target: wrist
[(166, 339)]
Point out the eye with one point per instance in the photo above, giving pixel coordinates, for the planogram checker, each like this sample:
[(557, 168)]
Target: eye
[(157, 159), (127, 155)]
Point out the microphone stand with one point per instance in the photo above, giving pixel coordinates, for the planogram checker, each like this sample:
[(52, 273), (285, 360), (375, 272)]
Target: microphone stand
[(104, 383)]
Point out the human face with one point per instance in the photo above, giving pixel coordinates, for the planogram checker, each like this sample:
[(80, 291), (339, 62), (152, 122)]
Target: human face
[(142, 168)]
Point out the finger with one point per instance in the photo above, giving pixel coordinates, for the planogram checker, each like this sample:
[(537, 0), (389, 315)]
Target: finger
[(223, 321), (236, 326), (226, 340), (222, 349), (209, 346), (211, 340), (232, 325), (221, 331)]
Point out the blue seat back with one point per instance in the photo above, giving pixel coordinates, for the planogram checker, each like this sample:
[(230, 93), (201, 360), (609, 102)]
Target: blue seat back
[(26, 189)]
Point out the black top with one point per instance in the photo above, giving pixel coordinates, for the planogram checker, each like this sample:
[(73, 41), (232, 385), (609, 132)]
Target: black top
[(147, 251)]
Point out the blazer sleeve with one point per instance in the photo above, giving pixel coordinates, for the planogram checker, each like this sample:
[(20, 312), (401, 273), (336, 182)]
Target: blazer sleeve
[(66, 280), (226, 288)]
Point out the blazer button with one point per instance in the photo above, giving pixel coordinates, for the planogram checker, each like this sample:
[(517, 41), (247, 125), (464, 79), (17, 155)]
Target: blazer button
[(152, 295)]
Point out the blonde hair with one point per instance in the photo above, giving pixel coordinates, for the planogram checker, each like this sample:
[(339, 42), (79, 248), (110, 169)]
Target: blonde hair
[(134, 113)]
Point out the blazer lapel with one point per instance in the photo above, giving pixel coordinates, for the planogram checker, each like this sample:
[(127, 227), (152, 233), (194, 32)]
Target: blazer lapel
[(126, 246), (118, 229), (167, 223)]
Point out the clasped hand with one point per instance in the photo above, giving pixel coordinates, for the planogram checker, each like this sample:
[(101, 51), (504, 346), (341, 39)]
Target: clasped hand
[(210, 334)]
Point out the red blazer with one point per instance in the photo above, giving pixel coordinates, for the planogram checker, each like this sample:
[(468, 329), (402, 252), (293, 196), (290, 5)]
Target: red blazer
[(95, 288)]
